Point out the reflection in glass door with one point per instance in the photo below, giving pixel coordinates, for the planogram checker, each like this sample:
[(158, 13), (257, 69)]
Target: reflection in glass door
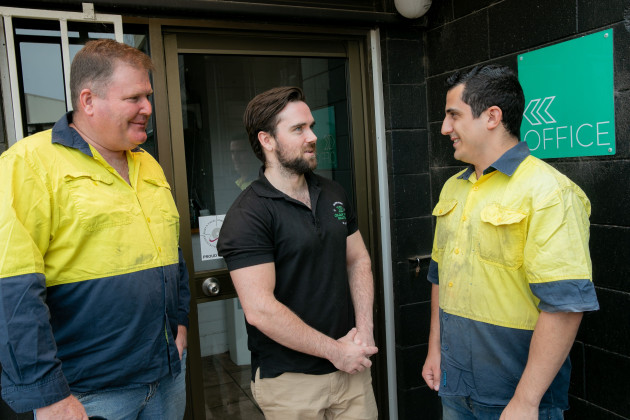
[(215, 90)]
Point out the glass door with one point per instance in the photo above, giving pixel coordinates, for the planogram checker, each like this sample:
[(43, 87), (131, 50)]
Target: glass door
[(210, 80), (215, 90)]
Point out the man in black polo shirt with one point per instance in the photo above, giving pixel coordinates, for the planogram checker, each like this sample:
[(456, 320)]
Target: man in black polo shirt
[(302, 273)]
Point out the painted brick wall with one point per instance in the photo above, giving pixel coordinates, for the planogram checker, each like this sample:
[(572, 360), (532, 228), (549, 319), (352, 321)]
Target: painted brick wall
[(460, 34)]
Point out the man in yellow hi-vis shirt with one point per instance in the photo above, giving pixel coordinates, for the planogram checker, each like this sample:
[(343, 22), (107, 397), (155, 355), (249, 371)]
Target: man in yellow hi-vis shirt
[(93, 288), (510, 268)]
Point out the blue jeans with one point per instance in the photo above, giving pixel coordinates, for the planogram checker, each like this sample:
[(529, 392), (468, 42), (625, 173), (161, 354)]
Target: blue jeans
[(463, 408), (161, 400)]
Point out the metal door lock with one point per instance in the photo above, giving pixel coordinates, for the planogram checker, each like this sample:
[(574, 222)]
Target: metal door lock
[(211, 286)]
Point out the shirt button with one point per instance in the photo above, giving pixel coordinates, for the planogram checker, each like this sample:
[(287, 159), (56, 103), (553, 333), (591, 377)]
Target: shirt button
[(446, 347), (159, 249), (456, 251), (464, 218), (475, 188), (148, 219), (450, 284), (440, 211)]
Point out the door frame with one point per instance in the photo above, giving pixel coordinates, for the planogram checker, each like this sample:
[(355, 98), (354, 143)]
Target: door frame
[(169, 37)]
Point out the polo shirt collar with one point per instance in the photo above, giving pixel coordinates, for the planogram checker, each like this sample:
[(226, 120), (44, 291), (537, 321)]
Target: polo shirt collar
[(67, 136), (507, 163), (263, 187)]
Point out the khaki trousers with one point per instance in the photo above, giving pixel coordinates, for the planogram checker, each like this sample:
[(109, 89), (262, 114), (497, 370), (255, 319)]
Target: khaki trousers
[(298, 396)]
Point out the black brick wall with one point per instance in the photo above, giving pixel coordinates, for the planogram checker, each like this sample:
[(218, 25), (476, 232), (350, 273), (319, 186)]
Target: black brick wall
[(460, 34), (409, 162)]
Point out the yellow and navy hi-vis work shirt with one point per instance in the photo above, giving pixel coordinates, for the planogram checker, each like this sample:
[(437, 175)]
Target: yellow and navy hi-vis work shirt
[(92, 283), (507, 246)]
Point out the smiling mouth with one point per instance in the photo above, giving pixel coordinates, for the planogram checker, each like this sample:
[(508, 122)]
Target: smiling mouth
[(142, 124)]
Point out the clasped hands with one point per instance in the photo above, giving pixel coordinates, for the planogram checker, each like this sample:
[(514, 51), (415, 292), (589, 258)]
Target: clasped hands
[(354, 351)]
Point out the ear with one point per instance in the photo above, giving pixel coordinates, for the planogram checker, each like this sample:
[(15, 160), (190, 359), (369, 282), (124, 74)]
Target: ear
[(86, 101), (495, 117), (266, 140)]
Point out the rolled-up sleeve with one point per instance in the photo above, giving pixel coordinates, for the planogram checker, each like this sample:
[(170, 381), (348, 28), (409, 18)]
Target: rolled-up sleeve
[(434, 275), (557, 259)]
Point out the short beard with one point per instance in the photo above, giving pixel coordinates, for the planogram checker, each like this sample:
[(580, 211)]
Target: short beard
[(297, 166)]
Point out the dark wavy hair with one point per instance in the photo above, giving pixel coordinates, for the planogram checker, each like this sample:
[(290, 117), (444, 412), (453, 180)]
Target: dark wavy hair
[(262, 112), (490, 85)]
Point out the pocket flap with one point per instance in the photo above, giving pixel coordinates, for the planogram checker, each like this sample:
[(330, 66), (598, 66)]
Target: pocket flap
[(497, 215), (444, 207), (157, 182), (105, 179)]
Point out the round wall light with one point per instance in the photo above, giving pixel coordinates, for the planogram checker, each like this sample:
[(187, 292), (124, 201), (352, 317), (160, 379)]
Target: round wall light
[(412, 9)]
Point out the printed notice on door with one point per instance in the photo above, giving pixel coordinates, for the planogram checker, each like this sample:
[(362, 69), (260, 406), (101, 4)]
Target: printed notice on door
[(209, 228)]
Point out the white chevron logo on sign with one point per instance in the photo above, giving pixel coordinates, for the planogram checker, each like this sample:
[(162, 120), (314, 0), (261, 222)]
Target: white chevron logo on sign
[(536, 105)]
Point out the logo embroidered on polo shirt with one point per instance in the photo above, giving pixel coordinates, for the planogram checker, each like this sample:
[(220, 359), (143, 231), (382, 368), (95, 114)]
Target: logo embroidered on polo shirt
[(339, 211)]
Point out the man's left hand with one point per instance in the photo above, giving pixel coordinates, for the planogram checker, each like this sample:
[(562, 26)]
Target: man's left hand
[(182, 340)]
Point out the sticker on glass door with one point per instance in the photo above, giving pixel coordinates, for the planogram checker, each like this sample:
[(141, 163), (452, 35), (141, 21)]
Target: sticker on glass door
[(209, 228)]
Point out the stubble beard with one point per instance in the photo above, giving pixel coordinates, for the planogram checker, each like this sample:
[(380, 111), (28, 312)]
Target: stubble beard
[(298, 165)]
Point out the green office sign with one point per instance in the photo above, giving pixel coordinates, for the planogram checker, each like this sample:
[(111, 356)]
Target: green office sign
[(569, 98)]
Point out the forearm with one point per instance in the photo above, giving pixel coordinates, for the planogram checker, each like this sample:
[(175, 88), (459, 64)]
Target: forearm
[(551, 342), (434, 332), (279, 323), (361, 284), (431, 372), (362, 292), (182, 339), (286, 328)]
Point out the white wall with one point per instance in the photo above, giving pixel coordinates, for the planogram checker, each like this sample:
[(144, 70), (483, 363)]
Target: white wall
[(212, 328)]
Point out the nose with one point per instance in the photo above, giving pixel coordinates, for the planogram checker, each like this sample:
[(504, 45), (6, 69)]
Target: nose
[(146, 107), (447, 128), (311, 137)]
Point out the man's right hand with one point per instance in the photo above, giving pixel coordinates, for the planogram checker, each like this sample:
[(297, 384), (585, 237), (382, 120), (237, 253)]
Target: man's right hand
[(67, 409), (431, 370), (351, 357)]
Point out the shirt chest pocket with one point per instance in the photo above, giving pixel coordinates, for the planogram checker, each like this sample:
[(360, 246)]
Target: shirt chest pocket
[(98, 203), (502, 235), (158, 192), (446, 223)]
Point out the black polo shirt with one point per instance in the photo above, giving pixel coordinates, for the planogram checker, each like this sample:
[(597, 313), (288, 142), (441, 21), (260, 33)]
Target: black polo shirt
[(308, 248)]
